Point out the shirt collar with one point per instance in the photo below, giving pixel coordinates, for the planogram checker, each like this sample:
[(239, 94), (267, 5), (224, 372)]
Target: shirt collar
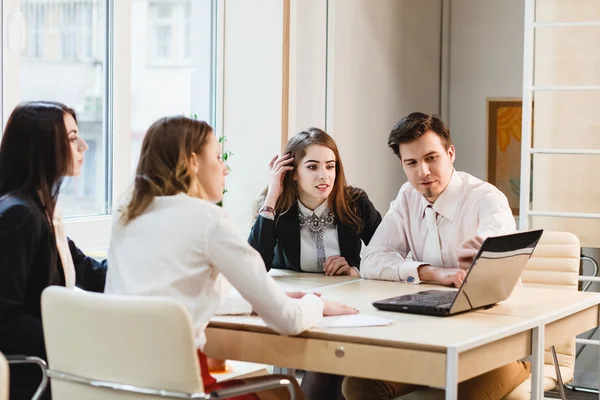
[(318, 211), (447, 204)]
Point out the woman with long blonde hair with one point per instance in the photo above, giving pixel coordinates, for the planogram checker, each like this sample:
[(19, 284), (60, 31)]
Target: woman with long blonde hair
[(172, 240), (310, 220)]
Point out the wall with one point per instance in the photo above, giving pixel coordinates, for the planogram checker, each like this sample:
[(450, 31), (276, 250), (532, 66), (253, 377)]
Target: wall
[(486, 60), (251, 99), (383, 63)]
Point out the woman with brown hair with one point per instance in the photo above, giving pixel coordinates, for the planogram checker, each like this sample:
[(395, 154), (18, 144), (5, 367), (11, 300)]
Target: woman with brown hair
[(172, 240), (310, 220), (41, 145)]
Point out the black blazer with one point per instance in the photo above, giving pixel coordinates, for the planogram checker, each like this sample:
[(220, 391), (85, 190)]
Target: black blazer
[(278, 241), (27, 251)]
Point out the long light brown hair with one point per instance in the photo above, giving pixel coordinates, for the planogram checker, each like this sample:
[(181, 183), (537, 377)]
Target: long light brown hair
[(164, 168), (340, 200)]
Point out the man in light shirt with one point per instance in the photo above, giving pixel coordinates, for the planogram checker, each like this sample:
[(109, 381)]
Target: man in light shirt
[(440, 217)]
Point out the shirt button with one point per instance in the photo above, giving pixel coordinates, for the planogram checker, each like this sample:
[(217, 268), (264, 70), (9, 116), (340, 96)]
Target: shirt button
[(410, 279)]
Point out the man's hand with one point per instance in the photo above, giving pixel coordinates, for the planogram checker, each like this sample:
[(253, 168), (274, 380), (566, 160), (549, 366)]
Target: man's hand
[(337, 265), (443, 276), (450, 276), (469, 249)]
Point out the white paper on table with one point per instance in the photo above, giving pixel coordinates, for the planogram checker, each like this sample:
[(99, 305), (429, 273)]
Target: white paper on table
[(353, 321)]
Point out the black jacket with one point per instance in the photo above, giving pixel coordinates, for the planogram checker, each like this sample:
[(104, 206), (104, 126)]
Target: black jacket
[(278, 241), (27, 248)]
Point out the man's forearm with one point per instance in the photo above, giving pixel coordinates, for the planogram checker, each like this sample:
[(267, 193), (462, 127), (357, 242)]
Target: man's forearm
[(428, 273)]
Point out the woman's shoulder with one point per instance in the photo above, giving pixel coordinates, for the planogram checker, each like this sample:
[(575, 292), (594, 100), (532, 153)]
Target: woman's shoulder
[(17, 202), (357, 195), (17, 208)]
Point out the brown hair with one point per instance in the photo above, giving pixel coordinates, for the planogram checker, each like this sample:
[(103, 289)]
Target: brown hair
[(415, 125), (164, 168), (341, 199)]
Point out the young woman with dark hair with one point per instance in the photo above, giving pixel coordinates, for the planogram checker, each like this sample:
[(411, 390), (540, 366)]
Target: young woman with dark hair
[(40, 146)]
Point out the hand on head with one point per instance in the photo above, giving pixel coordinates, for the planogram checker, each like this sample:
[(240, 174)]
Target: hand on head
[(278, 166)]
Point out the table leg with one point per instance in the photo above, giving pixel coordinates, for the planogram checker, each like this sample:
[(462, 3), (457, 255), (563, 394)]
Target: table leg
[(451, 374), (537, 362)]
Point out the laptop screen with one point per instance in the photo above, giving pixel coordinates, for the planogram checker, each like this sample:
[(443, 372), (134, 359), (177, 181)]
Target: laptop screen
[(495, 270)]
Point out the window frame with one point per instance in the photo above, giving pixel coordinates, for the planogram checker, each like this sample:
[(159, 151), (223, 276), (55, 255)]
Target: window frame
[(93, 232)]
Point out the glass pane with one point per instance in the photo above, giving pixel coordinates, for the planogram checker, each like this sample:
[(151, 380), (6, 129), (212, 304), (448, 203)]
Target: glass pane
[(167, 77), (64, 60)]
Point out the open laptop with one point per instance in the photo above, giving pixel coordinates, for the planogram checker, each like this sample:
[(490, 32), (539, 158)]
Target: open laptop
[(492, 277)]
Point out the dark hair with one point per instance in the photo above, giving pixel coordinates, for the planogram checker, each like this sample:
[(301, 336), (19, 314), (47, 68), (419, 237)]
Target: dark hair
[(35, 153), (164, 167), (341, 199), (415, 125)]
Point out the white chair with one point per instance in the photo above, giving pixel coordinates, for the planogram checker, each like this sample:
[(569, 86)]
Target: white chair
[(554, 264), (4, 377), (125, 347)]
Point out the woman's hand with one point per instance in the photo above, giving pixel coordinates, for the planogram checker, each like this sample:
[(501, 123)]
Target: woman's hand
[(334, 308), (299, 295), (337, 265), (278, 166)]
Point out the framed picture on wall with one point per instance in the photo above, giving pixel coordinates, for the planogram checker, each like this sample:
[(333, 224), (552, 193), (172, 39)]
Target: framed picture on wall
[(504, 147)]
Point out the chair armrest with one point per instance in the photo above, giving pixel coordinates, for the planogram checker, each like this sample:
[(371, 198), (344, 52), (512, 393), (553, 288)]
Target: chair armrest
[(23, 359)]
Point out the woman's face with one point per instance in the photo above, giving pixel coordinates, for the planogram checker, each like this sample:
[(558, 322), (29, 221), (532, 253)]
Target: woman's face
[(211, 170), (315, 174), (78, 145)]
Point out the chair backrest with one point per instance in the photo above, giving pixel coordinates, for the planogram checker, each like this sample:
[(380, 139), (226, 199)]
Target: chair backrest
[(4, 377), (555, 264), (140, 341)]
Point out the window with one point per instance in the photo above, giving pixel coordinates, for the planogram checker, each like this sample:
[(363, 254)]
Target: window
[(63, 30), (169, 31), (36, 14), (69, 55), (169, 88)]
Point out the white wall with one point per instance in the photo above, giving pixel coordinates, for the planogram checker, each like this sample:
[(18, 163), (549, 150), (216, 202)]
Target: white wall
[(486, 60), (383, 63), (252, 99)]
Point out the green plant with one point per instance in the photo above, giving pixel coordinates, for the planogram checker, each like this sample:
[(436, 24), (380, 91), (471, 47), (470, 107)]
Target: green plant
[(226, 154)]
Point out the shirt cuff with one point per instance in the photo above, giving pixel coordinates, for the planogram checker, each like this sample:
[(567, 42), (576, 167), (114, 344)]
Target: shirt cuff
[(408, 272)]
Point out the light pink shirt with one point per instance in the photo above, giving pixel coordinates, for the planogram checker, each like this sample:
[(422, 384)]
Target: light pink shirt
[(467, 207)]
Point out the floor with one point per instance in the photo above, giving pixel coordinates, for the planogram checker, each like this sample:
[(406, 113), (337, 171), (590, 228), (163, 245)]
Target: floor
[(572, 395)]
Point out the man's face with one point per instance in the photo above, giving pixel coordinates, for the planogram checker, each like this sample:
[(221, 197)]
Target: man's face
[(428, 165)]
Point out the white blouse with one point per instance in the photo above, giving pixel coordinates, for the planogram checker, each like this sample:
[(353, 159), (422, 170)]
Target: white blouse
[(188, 249), (62, 245), (308, 245)]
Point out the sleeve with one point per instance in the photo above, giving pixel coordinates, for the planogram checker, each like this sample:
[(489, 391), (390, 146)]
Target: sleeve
[(19, 233), (263, 239), (243, 267), (494, 216), (90, 274), (370, 216), (385, 256)]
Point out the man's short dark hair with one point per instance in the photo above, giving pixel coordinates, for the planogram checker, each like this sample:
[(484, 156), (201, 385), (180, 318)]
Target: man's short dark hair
[(415, 125)]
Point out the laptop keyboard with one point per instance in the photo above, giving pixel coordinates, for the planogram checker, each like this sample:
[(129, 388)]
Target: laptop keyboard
[(433, 300)]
